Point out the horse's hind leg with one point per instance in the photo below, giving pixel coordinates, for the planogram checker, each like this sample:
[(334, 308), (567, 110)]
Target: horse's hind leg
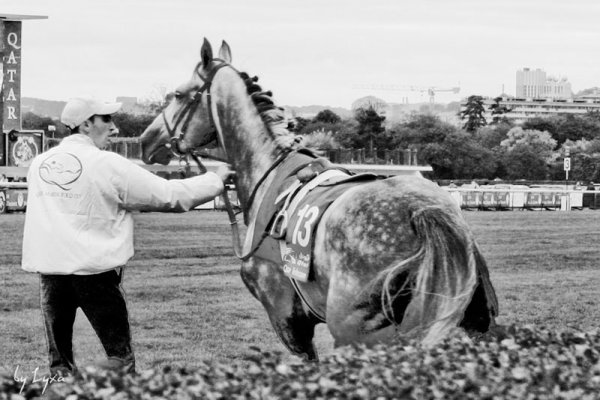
[(359, 323), (355, 314), (273, 289)]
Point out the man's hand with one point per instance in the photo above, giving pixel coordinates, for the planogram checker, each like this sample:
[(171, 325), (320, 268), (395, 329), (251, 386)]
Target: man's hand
[(225, 172)]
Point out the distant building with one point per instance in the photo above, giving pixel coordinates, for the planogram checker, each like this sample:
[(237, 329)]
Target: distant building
[(539, 95), (590, 94), (523, 109), (535, 84)]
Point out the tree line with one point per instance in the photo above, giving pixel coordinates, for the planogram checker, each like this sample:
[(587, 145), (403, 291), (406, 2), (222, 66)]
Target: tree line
[(130, 125), (477, 149)]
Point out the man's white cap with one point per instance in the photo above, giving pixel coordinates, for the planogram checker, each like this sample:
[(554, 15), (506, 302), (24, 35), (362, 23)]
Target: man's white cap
[(79, 109)]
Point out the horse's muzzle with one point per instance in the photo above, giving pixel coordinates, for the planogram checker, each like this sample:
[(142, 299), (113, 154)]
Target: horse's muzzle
[(154, 149), (162, 155)]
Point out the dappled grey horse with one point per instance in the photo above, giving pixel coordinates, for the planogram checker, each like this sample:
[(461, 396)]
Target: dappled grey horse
[(391, 256)]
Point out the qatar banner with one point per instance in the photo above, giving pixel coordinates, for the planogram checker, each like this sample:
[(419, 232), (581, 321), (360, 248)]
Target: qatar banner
[(2, 149), (11, 74)]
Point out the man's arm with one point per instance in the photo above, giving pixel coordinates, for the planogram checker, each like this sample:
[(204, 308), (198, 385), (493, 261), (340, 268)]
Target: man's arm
[(143, 190)]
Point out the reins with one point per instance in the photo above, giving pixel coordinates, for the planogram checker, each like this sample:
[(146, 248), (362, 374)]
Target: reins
[(235, 233), (237, 247)]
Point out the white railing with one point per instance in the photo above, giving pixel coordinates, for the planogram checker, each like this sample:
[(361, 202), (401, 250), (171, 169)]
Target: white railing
[(13, 185), (519, 198)]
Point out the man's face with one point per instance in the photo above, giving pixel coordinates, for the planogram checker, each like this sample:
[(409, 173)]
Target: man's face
[(100, 128)]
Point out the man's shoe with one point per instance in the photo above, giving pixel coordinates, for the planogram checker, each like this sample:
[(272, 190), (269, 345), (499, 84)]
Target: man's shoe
[(116, 364)]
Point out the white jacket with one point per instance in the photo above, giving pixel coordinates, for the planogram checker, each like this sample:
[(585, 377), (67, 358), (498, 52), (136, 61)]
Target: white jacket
[(78, 218)]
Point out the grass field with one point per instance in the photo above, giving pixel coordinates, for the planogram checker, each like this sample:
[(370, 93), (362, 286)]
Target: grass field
[(187, 301)]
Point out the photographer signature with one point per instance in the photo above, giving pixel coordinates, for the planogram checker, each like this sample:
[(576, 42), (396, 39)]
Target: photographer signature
[(24, 379)]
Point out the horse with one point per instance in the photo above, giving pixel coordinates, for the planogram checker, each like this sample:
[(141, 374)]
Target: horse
[(391, 258)]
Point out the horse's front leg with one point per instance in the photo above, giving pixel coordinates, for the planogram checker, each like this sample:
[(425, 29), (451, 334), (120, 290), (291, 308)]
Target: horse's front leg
[(274, 290)]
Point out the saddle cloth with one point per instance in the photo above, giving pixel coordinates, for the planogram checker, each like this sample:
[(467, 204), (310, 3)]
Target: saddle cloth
[(292, 209)]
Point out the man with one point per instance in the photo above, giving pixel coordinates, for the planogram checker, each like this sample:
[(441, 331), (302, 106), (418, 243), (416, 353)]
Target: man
[(79, 229)]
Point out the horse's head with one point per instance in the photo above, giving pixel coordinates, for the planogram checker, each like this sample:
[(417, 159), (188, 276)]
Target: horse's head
[(186, 123)]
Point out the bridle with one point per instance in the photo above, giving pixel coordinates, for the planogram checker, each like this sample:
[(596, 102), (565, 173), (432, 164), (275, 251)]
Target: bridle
[(176, 136), (187, 113)]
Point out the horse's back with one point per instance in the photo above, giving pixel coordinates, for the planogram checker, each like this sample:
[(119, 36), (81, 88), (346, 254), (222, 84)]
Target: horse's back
[(369, 226)]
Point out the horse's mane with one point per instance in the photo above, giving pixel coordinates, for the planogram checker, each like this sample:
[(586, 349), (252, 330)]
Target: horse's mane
[(273, 116)]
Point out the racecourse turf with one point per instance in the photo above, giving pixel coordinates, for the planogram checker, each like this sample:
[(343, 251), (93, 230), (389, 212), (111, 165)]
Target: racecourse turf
[(187, 302)]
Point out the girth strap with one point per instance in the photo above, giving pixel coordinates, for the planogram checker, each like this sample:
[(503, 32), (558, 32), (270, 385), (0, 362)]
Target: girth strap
[(311, 309)]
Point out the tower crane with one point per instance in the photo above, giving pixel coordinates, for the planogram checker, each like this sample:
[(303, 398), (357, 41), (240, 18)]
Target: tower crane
[(430, 90)]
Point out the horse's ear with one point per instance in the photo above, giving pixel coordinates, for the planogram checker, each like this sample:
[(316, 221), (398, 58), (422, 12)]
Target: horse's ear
[(206, 53), (225, 52)]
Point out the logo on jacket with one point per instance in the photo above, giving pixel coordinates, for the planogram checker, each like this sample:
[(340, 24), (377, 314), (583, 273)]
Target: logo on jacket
[(61, 169)]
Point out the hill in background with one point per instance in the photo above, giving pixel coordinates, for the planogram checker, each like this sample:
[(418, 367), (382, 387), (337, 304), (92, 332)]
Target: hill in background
[(53, 109), (312, 110), (42, 108)]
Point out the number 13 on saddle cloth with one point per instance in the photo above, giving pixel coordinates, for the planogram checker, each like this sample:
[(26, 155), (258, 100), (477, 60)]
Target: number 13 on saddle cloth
[(303, 188)]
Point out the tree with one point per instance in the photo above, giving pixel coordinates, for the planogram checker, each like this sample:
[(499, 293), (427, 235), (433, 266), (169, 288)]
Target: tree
[(541, 143), (524, 162), (132, 125), (576, 127), (33, 121), (585, 167), (298, 124), (321, 140), (499, 111), (324, 121), (419, 130), (491, 136), (345, 133), (370, 126), (582, 146), (565, 127), (327, 116), (459, 156), (593, 115), (474, 113), (549, 125), (367, 102)]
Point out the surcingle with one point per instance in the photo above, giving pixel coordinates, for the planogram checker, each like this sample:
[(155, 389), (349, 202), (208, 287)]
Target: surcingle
[(303, 188)]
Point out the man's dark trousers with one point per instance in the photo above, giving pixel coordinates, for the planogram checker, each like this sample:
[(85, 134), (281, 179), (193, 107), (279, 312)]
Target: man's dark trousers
[(101, 298)]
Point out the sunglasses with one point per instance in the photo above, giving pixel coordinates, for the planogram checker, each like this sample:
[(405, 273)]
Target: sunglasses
[(105, 118)]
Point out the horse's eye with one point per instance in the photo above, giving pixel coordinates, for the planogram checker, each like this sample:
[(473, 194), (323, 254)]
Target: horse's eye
[(178, 95)]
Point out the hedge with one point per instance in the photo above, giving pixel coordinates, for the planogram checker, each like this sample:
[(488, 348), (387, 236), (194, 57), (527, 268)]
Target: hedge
[(519, 363)]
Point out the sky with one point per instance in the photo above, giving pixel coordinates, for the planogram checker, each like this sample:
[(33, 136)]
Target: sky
[(309, 51)]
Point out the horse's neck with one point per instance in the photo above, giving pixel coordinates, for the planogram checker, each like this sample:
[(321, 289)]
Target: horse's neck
[(249, 146)]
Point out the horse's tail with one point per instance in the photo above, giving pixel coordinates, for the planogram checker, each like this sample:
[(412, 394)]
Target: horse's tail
[(442, 276)]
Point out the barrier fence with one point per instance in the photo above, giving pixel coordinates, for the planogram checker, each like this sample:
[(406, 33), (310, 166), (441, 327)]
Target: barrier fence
[(524, 199), (13, 197)]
